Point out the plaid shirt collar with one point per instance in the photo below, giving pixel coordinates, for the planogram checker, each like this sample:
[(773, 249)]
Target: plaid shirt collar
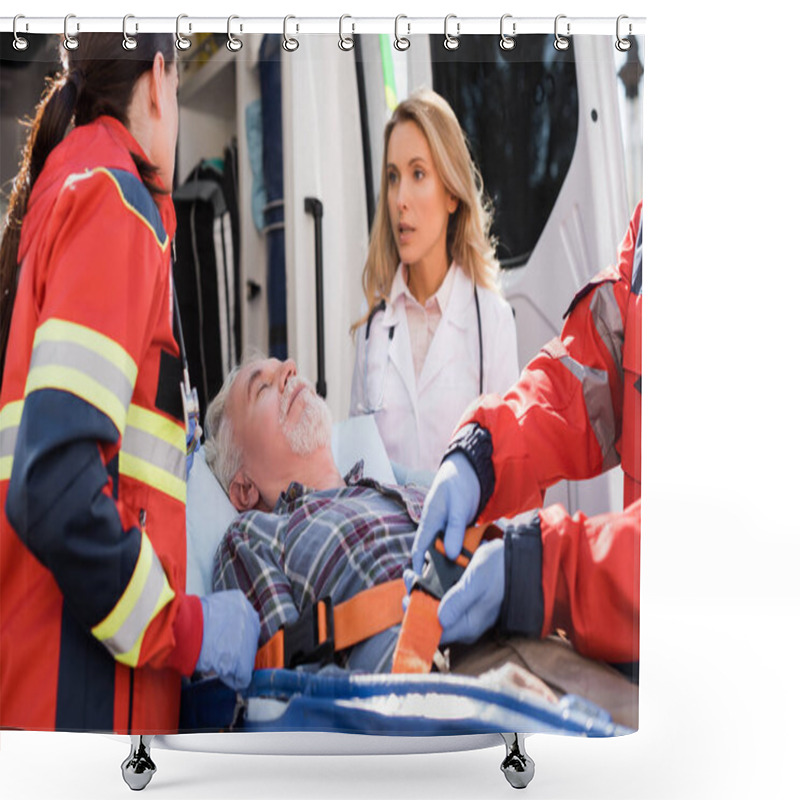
[(295, 490)]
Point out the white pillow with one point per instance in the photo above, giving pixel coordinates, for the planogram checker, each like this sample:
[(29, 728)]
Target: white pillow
[(209, 512)]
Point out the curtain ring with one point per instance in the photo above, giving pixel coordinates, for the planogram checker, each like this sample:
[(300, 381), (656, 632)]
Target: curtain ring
[(70, 42), (622, 44), (401, 42), (451, 42), (20, 42), (128, 42), (233, 44), (181, 42), (507, 42), (346, 42), (290, 44), (561, 42)]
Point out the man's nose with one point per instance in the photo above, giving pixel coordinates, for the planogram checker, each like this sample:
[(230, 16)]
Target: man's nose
[(288, 370)]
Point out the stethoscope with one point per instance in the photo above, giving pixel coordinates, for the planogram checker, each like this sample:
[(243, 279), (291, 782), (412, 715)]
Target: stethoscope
[(369, 408)]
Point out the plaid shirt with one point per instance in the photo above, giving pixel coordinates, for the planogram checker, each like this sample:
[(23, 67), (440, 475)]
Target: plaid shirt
[(316, 544)]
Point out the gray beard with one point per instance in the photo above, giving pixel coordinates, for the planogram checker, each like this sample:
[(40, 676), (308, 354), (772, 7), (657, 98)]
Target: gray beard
[(313, 429)]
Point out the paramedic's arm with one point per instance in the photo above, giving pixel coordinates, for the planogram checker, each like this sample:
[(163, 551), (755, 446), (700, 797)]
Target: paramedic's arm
[(577, 574), (563, 418), (83, 370)]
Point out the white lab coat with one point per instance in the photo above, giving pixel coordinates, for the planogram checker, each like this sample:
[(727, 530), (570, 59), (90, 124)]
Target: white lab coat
[(416, 421)]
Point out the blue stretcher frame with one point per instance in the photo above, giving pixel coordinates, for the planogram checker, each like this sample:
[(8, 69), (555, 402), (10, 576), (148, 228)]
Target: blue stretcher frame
[(384, 705)]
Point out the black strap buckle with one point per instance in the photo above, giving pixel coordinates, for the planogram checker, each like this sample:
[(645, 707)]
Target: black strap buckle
[(439, 573), (301, 640)]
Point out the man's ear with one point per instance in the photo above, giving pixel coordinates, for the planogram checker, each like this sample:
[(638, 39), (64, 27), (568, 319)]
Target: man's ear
[(157, 76), (243, 493)]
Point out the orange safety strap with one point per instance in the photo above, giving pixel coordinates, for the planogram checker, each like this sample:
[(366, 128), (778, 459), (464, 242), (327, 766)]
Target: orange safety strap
[(369, 612), (421, 631)]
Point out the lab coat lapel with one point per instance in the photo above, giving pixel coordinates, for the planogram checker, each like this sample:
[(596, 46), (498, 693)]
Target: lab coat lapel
[(455, 323), (400, 350)]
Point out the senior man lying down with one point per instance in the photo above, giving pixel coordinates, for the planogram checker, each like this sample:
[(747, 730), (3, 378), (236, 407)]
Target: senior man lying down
[(306, 532)]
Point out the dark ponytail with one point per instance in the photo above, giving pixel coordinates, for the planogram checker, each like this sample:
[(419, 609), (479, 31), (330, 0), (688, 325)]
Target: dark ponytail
[(97, 79)]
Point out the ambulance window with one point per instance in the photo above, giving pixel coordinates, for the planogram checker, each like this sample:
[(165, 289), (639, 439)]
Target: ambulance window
[(519, 109)]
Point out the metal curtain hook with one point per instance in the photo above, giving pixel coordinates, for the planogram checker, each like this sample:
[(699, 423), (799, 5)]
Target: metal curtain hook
[(128, 42), (181, 42), (507, 42), (346, 42), (20, 42), (623, 44), (233, 44), (401, 42), (290, 44), (70, 42), (451, 42), (561, 42)]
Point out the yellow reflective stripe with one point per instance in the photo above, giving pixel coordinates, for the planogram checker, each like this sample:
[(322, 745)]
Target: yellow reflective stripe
[(165, 429), (10, 417), (147, 592), (76, 359), (77, 383), (59, 330), (160, 479), (154, 452)]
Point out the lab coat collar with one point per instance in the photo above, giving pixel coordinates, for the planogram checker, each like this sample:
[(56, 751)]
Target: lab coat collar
[(400, 290), (460, 309)]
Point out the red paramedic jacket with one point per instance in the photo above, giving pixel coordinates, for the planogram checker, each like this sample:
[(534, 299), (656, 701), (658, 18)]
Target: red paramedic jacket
[(95, 626), (574, 413)]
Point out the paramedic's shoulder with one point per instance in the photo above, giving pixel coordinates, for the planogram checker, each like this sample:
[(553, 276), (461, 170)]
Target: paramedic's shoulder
[(111, 202)]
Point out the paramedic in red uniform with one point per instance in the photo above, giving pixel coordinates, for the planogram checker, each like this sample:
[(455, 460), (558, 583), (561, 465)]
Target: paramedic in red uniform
[(574, 413), (95, 626)]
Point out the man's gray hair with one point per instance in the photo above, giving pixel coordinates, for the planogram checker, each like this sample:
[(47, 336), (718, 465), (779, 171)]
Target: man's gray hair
[(223, 456)]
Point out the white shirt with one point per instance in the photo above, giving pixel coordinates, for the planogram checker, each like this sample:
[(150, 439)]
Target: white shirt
[(416, 414), (422, 320)]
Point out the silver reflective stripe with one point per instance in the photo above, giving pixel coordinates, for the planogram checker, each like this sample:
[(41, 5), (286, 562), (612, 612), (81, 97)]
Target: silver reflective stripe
[(599, 407), (155, 451), (608, 322), (10, 417), (135, 624), (89, 362), (8, 441)]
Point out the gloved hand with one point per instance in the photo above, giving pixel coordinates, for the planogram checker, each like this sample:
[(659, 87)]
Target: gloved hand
[(193, 435), (230, 638), (472, 606), (451, 505)]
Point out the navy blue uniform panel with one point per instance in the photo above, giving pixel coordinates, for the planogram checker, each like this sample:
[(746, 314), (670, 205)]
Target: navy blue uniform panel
[(85, 700), (139, 198), (58, 507)]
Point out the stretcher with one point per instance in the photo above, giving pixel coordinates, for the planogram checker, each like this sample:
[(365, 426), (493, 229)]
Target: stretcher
[(283, 711), (495, 692)]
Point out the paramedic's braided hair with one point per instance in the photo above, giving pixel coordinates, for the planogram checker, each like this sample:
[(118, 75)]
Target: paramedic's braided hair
[(97, 78)]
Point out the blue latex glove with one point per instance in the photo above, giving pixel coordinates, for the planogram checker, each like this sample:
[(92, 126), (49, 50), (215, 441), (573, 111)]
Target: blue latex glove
[(450, 506), (230, 638), (192, 443), (472, 606)]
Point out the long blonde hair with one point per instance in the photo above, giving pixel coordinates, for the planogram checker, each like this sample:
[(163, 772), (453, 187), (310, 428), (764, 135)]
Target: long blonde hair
[(469, 243)]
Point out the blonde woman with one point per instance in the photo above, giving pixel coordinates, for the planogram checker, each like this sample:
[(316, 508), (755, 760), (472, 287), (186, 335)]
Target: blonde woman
[(437, 333)]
